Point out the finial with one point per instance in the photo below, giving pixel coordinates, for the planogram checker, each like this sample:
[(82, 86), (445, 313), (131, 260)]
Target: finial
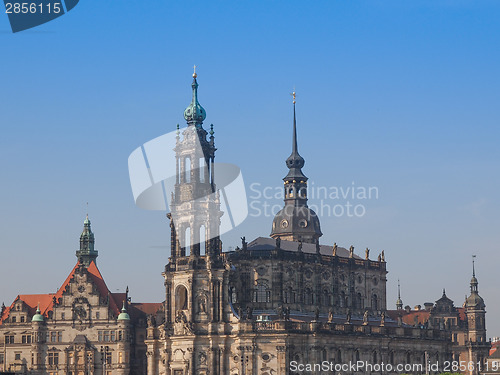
[(194, 72), (294, 95), (444, 292), (473, 266), (87, 210), (212, 130), (399, 290)]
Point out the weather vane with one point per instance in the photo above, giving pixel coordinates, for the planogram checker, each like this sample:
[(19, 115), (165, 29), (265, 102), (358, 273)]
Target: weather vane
[(293, 95)]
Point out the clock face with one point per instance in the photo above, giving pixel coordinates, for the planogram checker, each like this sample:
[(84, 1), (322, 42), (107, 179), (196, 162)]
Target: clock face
[(284, 223)]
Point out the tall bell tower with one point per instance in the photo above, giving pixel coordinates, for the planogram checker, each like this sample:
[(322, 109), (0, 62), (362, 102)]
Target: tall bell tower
[(194, 335)]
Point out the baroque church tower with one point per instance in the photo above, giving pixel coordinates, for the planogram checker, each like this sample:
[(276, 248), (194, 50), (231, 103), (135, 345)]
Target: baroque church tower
[(296, 221), (475, 310), (196, 279)]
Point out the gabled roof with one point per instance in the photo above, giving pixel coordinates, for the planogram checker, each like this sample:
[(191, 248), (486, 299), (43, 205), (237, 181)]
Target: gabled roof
[(46, 301)]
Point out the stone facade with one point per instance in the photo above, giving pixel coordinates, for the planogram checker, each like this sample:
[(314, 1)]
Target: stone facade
[(267, 308)]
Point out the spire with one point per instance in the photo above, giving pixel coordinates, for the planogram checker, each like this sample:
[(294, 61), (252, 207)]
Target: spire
[(194, 113), (444, 292), (474, 301), (295, 162), (87, 253), (399, 302), (473, 281), (296, 221)]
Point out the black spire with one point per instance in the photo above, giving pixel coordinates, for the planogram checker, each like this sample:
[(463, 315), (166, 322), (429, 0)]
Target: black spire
[(296, 221), (295, 162)]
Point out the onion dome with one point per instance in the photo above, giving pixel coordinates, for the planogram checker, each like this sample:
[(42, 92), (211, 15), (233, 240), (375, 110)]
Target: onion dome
[(195, 114)]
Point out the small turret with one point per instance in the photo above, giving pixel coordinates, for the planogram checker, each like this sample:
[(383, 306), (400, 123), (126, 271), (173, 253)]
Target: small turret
[(87, 253), (399, 302), (124, 315), (38, 317)]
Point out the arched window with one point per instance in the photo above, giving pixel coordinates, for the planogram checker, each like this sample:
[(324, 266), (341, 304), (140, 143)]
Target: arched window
[(262, 292), (202, 168), (375, 357), (339, 356), (356, 355), (374, 302), (342, 300), (391, 358), (181, 298), (187, 169), (359, 301), (326, 298), (203, 236), (309, 296), (187, 239)]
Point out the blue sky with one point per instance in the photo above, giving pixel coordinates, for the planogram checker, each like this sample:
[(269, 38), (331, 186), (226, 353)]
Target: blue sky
[(398, 95)]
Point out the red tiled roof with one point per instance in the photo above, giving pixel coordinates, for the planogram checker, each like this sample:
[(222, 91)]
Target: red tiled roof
[(148, 308), (422, 316), (46, 300)]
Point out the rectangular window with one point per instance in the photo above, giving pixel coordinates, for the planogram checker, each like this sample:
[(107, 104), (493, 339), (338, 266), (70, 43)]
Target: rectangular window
[(59, 336), (26, 339), (97, 315), (99, 336), (9, 339), (22, 319), (120, 335), (17, 356), (63, 316), (13, 319), (108, 358), (120, 357), (1, 358), (71, 359), (112, 336), (106, 336), (53, 336)]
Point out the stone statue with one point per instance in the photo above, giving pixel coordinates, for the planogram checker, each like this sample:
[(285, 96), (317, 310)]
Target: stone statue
[(367, 253), (300, 247), (281, 312), (249, 313), (382, 256), (348, 316), (334, 249), (379, 258), (365, 318), (202, 305), (382, 319), (287, 313), (400, 321), (351, 252), (330, 316), (316, 314), (244, 243)]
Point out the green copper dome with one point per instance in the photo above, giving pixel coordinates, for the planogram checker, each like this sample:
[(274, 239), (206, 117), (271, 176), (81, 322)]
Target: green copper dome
[(38, 317), (194, 113), (123, 315)]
